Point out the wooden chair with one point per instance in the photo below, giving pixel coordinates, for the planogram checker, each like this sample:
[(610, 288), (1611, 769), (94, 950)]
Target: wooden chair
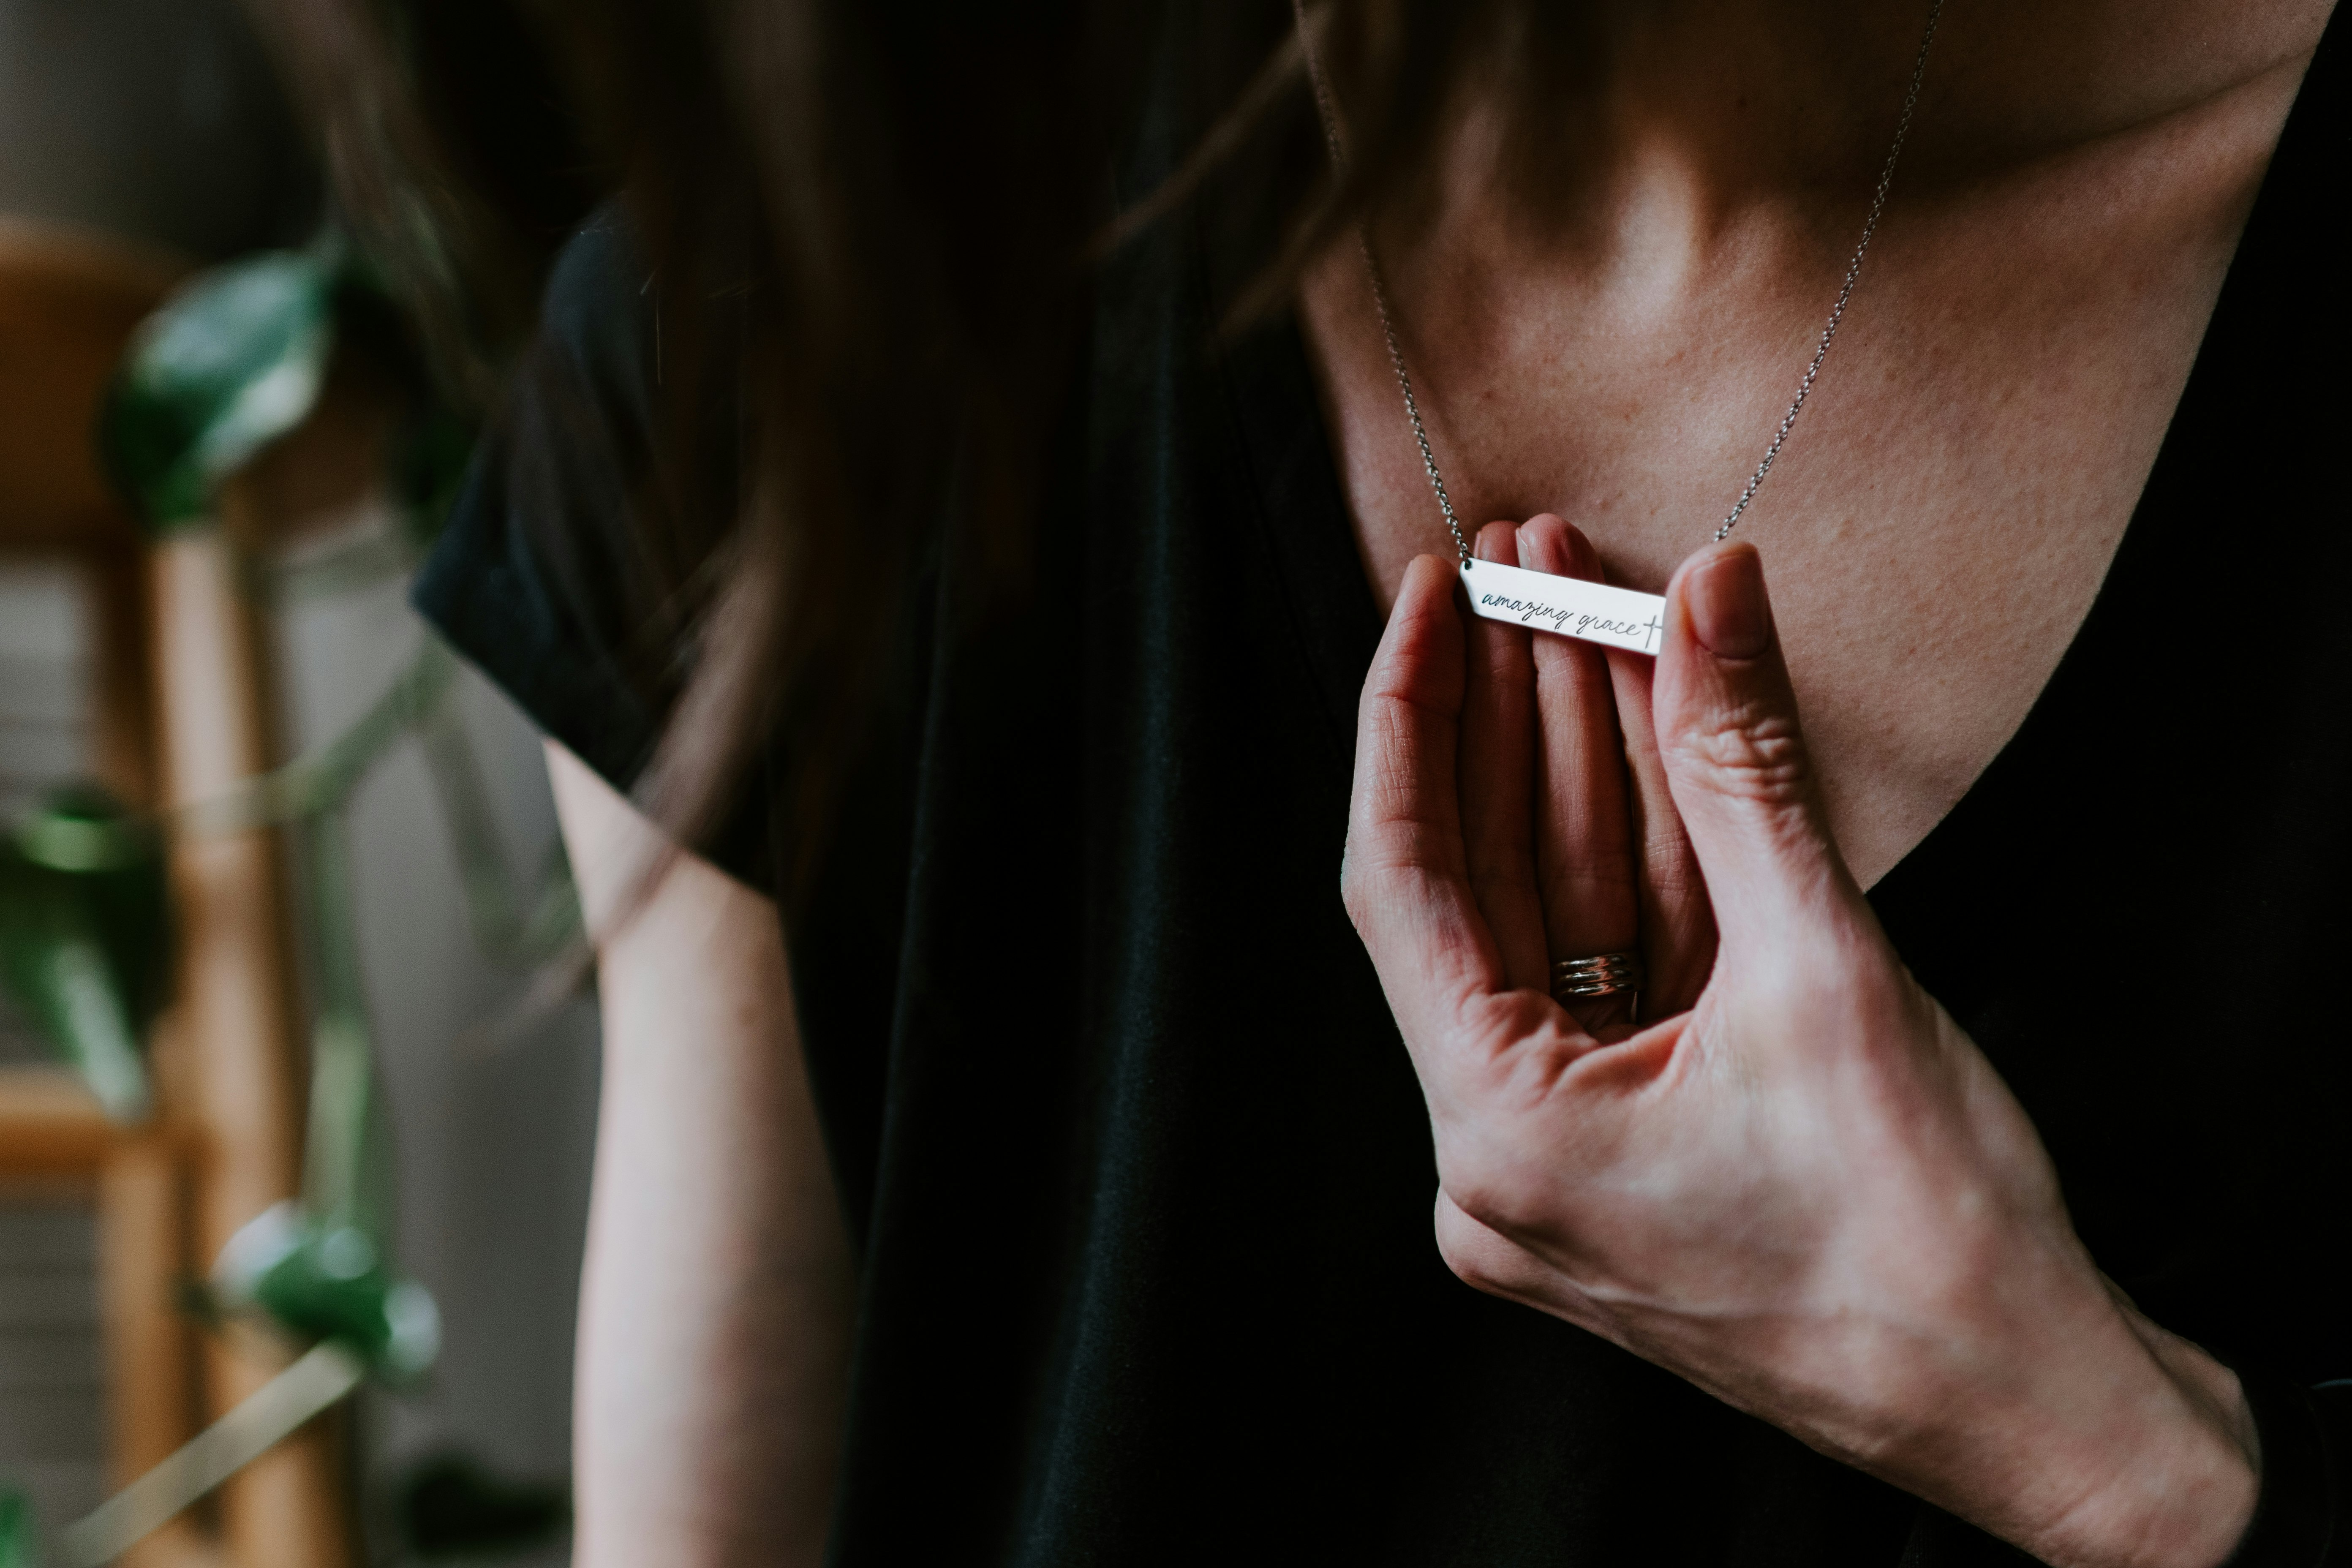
[(178, 712)]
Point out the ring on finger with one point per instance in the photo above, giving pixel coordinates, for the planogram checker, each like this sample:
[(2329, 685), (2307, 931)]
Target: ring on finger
[(1602, 974)]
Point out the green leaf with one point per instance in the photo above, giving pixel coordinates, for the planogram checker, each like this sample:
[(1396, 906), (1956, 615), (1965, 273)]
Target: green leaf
[(84, 939), (63, 983), (327, 1281), (228, 364)]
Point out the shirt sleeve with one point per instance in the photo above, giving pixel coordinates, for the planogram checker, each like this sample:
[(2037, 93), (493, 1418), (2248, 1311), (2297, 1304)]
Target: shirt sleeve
[(538, 578)]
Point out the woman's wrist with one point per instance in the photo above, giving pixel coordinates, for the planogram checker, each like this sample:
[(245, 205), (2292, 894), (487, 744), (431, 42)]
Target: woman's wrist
[(2180, 1489), (2059, 1419)]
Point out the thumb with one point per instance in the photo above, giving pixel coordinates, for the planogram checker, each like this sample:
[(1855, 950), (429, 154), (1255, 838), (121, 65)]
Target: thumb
[(1735, 756)]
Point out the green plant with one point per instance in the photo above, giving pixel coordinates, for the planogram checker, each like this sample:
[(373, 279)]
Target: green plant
[(84, 938)]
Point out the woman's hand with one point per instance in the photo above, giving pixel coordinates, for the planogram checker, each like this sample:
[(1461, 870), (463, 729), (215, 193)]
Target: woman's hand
[(1802, 1187)]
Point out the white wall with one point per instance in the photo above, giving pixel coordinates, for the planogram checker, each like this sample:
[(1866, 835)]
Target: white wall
[(493, 1135)]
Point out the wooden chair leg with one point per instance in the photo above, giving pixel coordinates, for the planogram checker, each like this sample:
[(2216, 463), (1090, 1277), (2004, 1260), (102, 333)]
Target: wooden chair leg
[(233, 1008), (151, 1365)]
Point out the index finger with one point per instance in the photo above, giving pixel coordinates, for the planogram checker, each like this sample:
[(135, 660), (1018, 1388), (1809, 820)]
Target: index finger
[(1406, 877)]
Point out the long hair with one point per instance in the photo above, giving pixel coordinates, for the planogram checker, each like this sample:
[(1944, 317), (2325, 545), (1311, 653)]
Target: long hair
[(891, 207)]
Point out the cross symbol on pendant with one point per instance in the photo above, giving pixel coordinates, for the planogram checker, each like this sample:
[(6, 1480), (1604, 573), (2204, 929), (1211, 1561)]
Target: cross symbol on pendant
[(1649, 632)]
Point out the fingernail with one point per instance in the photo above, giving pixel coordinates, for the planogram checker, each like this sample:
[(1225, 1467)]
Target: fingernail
[(1726, 606)]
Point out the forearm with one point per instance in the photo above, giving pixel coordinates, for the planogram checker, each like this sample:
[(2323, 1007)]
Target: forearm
[(716, 1297), (2126, 1447)]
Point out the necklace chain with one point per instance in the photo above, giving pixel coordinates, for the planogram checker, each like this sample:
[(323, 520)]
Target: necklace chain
[(1330, 113)]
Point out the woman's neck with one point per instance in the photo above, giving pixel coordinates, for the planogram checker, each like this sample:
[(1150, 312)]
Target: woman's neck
[(1677, 118)]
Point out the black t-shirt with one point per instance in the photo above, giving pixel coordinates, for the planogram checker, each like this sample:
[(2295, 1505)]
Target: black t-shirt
[(1139, 1174)]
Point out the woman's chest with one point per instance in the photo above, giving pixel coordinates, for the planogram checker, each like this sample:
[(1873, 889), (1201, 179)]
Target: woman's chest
[(1943, 511)]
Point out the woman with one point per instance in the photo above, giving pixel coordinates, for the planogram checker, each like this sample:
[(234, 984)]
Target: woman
[(1047, 1186)]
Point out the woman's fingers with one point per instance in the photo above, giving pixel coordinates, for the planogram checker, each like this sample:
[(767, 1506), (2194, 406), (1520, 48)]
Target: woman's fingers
[(1496, 770), (1678, 923), (1406, 877), (1584, 845), (1735, 759)]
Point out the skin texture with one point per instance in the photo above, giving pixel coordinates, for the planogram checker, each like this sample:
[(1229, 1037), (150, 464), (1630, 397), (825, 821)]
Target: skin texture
[(1804, 1189), (716, 1299)]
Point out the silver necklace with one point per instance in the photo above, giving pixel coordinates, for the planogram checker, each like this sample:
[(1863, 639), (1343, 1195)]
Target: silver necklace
[(1595, 612)]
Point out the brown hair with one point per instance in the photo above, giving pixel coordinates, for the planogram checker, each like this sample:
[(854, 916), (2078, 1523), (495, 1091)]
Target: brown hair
[(901, 198)]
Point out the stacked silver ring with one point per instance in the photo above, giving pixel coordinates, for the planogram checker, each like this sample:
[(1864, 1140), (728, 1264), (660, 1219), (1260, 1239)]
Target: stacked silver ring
[(1602, 974)]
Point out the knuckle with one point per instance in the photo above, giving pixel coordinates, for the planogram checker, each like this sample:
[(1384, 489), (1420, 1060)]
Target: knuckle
[(1355, 892), (1496, 1193), (1361, 905), (1470, 1260), (1746, 753), (1478, 1256), (1491, 1203), (1372, 882)]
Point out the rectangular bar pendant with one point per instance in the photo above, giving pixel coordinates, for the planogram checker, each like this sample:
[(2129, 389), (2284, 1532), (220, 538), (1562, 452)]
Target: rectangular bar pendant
[(1594, 611)]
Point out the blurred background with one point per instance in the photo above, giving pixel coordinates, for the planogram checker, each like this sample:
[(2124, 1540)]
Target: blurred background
[(147, 153)]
